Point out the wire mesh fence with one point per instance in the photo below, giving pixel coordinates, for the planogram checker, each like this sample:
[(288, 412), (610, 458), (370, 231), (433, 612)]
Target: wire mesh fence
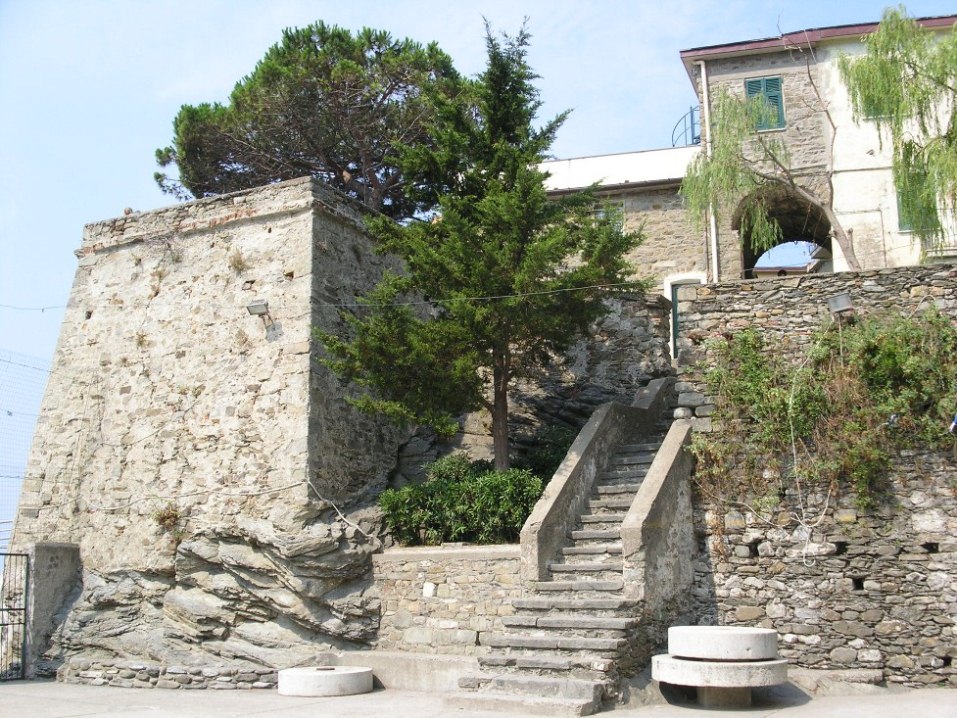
[(23, 379)]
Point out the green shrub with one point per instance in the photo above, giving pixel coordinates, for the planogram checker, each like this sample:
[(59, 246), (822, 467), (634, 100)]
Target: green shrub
[(833, 417), (461, 501)]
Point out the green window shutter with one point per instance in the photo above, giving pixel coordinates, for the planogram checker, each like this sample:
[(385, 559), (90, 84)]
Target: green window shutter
[(769, 89)]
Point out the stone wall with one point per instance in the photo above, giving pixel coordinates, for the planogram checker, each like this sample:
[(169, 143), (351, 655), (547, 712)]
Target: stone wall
[(846, 588), (439, 600), (139, 674), (193, 450), (622, 353), (673, 245)]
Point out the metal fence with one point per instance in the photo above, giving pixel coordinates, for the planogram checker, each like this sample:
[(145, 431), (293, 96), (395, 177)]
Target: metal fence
[(22, 381), (15, 568)]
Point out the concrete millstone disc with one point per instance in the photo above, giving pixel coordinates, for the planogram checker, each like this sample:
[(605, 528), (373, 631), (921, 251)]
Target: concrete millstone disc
[(325, 681), (723, 643)]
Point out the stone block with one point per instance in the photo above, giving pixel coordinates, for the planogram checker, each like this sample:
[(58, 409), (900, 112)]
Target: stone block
[(843, 654), (749, 613)]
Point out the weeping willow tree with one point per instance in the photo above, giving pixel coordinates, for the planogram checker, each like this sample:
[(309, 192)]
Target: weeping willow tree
[(746, 169), (906, 83)]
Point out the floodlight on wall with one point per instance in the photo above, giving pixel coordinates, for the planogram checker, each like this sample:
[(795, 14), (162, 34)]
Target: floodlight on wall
[(258, 308), (840, 304)]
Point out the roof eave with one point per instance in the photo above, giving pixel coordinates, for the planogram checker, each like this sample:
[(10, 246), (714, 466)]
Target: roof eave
[(801, 38)]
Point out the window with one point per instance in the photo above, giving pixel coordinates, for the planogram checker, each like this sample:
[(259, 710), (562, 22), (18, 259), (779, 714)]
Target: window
[(768, 91)]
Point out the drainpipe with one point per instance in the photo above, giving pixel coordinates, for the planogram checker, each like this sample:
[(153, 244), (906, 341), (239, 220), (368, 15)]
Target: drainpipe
[(706, 126)]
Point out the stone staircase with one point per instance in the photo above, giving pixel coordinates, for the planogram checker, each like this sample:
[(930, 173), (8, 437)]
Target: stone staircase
[(561, 649)]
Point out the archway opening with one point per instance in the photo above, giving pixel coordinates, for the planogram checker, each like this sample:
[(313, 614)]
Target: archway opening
[(805, 232)]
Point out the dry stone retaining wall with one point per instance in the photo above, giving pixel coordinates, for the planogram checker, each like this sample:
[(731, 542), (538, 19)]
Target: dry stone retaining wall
[(846, 588), (137, 674)]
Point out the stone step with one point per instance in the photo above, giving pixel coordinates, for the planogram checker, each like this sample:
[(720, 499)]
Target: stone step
[(518, 705), (582, 604), (652, 445), (616, 501), (582, 568), (552, 642), (595, 535), (593, 550), (612, 560), (613, 489), (555, 586), (604, 518), (569, 621), (621, 474), (531, 685), (642, 458)]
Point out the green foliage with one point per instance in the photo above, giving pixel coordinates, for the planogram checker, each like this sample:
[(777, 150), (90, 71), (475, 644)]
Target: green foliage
[(732, 175), (321, 102), (905, 83), (410, 369), (513, 276), (862, 392), (461, 501)]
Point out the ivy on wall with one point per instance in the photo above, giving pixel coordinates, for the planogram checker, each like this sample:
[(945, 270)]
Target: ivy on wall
[(832, 419)]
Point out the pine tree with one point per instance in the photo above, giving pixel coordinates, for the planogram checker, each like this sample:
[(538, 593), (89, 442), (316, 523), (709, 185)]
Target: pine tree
[(509, 277), (321, 102)]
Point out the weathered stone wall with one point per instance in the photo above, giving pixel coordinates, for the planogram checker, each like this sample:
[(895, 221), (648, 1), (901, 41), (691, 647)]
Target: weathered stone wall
[(673, 245), (439, 600), (200, 456), (140, 674), (843, 587), (805, 133), (191, 449), (846, 588)]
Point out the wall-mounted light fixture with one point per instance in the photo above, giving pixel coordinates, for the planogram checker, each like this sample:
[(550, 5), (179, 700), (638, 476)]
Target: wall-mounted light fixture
[(258, 308), (840, 304)]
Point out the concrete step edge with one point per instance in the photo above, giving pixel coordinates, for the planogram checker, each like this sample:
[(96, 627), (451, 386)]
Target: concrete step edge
[(516, 705)]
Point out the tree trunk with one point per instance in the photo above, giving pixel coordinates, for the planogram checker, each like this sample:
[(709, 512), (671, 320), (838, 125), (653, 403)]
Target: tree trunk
[(843, 241), (500, 377), (840, 236)]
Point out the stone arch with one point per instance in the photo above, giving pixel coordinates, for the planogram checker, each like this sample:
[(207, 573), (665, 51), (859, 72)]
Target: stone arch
[(800, 221)]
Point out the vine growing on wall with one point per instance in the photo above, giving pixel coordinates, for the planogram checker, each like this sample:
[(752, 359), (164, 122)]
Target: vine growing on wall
[(833, 419)]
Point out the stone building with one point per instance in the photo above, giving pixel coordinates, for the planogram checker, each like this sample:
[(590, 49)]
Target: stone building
[(190, 443), (839, 161)]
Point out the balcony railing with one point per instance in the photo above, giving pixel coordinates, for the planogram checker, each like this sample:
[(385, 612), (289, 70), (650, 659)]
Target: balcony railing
[(687, 131)]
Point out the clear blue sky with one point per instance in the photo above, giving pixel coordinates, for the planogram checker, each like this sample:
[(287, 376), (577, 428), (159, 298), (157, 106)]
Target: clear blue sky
[(89, 88)]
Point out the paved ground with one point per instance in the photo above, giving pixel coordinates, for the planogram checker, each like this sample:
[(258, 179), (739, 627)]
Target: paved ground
[(47, 699)]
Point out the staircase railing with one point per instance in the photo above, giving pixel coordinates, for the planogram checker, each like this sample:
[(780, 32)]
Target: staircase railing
[(656, 534), (567, 494)]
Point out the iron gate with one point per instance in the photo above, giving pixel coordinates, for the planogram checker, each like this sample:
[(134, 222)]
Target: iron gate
[(14, 568)]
